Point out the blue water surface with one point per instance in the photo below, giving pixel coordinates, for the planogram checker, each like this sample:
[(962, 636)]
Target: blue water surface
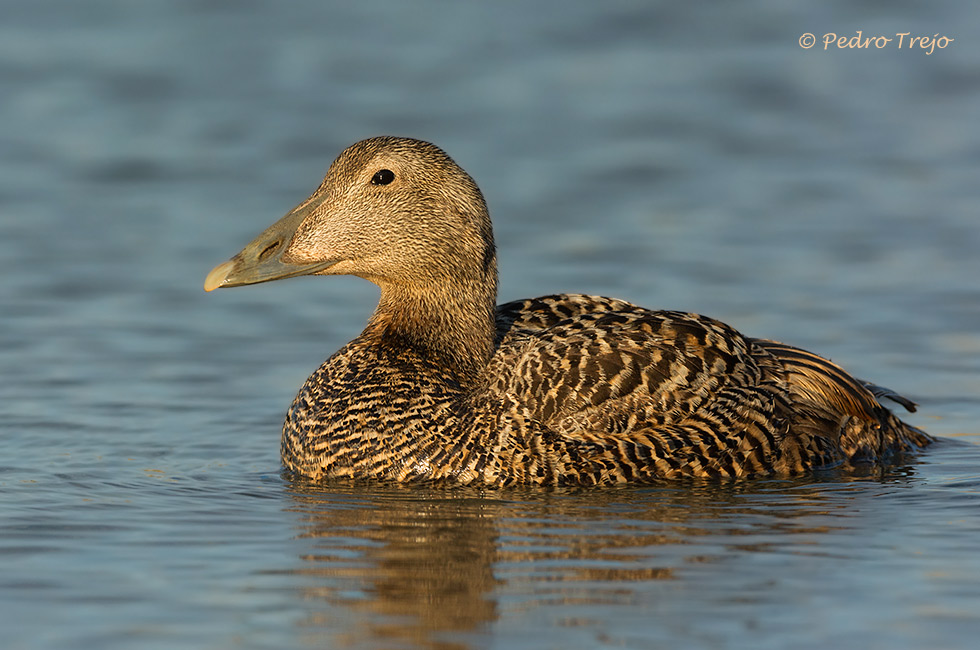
[(689, 157)]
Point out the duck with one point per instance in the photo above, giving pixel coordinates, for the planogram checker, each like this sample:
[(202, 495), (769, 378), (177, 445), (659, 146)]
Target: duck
[(443, 385)]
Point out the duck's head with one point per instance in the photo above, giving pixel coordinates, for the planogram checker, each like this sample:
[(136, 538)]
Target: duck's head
[(396, 211)]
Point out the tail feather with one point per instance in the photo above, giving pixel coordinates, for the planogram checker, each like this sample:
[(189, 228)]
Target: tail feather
[(888, 393)]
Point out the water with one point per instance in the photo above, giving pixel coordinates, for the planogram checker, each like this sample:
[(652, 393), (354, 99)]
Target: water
[(681, 158)]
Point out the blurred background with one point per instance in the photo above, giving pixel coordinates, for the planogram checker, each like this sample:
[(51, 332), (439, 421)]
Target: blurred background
[(680, 157)]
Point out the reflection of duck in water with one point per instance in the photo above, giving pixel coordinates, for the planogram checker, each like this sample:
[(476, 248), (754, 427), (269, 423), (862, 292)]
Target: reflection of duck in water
[(386, 566), (567, 389)]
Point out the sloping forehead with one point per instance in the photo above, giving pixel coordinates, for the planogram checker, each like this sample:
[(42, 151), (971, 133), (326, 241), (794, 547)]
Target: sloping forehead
[(388, 148)]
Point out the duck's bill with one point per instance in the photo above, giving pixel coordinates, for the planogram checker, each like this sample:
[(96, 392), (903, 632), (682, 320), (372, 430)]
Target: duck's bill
[(261, 260)]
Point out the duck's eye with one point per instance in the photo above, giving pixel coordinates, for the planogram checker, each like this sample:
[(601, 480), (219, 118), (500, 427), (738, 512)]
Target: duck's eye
[(383, 177)]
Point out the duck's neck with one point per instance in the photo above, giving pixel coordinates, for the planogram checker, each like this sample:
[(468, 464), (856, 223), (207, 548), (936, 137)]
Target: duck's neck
[(451, 324)]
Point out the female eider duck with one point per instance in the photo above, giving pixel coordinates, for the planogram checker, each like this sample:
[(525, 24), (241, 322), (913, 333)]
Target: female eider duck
[(443, 384)]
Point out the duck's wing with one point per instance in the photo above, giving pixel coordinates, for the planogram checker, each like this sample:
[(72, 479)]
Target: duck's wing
[(642, 394), (637, 394), (589, 362)]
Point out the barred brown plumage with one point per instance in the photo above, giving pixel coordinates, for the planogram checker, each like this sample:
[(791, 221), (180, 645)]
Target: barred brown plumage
[(444, 385)]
